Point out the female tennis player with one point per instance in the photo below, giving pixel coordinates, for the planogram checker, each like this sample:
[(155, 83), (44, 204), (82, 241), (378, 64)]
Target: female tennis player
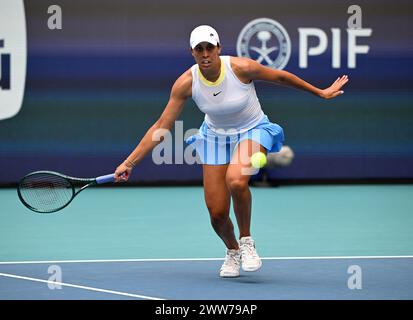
[(234, 127)]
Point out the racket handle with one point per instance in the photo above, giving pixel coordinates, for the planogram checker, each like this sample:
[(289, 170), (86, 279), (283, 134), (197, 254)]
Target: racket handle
[(105, 179)]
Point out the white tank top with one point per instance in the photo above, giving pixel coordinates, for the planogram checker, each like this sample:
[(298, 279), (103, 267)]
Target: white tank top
[(228, 103)]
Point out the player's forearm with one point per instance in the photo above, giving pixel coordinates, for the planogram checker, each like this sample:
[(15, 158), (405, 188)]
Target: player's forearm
[(291, 80), (152, 138)]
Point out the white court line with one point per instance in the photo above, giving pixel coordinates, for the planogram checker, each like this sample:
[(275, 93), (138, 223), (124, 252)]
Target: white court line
[(80, 287), (204, 259)]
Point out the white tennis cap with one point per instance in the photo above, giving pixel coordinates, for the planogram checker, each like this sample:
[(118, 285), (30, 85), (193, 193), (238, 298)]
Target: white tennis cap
[(203, 33)]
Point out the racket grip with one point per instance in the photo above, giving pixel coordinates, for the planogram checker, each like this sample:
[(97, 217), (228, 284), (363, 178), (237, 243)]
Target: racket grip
[(105, 179)]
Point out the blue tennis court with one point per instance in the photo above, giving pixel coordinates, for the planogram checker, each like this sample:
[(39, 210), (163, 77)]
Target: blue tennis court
[(134, 246)]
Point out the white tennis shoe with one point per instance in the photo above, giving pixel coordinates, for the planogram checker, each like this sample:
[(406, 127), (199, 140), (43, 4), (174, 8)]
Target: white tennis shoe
[(249, 256), (231, 266)]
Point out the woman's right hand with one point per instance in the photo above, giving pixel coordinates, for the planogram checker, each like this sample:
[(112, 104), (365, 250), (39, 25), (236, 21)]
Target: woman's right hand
[(123, 172)]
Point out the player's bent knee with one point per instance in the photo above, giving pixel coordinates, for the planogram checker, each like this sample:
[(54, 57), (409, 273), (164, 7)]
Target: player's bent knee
[(236, 184)]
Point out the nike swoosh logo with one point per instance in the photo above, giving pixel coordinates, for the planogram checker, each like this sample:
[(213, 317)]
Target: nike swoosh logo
[(215, 94)]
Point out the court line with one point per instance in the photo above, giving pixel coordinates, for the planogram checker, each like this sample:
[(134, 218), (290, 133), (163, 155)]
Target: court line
[(80, 287), (203, 259)]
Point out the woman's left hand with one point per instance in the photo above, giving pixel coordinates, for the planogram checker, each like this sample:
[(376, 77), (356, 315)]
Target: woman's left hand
[(335, 89)]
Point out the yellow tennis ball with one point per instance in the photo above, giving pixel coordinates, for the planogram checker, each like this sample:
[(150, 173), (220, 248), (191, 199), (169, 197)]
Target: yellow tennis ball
[(258, 160)]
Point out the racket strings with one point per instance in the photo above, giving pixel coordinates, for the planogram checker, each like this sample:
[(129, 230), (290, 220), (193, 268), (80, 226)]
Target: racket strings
[(46, 192)]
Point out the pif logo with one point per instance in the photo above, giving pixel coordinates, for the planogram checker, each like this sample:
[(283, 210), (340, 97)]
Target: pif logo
[(267, 42), (13, 57)]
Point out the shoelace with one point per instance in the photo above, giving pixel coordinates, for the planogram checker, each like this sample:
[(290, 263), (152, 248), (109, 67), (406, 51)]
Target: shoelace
[(249, 249), (231, 260)]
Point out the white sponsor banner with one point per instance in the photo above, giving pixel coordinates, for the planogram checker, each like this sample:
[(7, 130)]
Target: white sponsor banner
[(13, 57)]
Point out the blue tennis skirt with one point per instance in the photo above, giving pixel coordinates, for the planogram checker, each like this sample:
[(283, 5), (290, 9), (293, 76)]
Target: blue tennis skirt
[(217, 149)]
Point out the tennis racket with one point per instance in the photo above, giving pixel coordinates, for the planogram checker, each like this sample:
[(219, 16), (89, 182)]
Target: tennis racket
[(49, 191)]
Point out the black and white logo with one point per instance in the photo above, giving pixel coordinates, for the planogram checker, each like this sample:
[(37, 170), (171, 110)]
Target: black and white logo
[(266, 41), (13, 57)]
